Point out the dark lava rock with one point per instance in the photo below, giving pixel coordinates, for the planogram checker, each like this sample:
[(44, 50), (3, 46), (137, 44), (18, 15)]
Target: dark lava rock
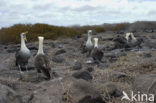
[(8, 95), (147, 55), (54, 74), (60, 52), (77, 37), (33, 48), (120, 32), (90, 69), (77, 66), (12, 50), (5, 47), (83, 75), (57, 59)]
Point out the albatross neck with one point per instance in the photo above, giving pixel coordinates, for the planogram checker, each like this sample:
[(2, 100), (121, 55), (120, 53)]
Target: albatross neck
[(23, 46), (40, 50), (96, 44), (89, 36)]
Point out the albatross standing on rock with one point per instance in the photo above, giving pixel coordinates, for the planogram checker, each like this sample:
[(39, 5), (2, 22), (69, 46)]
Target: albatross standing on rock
[(23, 55), (42, 62), (133, 42), (96, 53), (130, 37), (89, 44)]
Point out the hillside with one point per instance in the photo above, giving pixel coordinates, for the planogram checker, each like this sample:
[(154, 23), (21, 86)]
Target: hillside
[(11, 34), (76, 81)]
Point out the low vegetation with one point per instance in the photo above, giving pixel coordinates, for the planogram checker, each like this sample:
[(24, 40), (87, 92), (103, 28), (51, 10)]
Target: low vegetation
[(11, 34)]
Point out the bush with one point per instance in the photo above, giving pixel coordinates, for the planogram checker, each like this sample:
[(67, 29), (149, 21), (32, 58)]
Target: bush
[(12, 34)]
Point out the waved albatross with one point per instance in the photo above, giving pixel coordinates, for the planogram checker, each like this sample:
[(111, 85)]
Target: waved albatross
[(42, 62), (23, 55), (130, 37), (96, 53), (89, 44)]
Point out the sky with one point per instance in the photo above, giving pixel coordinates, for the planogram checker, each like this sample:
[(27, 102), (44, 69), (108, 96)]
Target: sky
[(75, 12)]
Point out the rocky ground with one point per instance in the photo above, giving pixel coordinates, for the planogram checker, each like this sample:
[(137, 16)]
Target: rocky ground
[(74, 80)]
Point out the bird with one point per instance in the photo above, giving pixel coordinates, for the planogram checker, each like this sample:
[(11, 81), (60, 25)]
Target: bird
[(127, 36), (89, 45), (96, 53), (22, 56), (42, 63), (130, 37), (133, 41)]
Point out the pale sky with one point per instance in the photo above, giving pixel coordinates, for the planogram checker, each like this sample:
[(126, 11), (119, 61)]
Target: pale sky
[(71, 12)]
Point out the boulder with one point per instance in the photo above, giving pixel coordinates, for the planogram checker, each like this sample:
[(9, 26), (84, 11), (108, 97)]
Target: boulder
[(90, 69), (147, 55), (57, 59), (61, 51), (83, 74), (77, 66)]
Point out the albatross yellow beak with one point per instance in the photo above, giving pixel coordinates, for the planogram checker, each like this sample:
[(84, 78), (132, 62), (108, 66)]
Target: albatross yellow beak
[(26, 32), (25, 39), (25, 36)]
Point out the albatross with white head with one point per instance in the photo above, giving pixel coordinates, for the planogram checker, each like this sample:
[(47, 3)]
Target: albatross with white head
[(23, 55), (42, 63)]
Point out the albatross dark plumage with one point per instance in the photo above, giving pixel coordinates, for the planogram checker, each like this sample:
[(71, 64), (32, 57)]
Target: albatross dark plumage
[(23, 55), (42, 62), (96, 53)]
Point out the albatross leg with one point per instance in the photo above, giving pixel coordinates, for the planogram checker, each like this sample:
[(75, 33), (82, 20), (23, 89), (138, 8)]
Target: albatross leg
[(20, 72), (20, 69), (37, 75)]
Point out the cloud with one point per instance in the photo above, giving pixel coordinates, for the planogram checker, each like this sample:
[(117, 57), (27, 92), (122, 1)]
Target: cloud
[(70, 12)]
